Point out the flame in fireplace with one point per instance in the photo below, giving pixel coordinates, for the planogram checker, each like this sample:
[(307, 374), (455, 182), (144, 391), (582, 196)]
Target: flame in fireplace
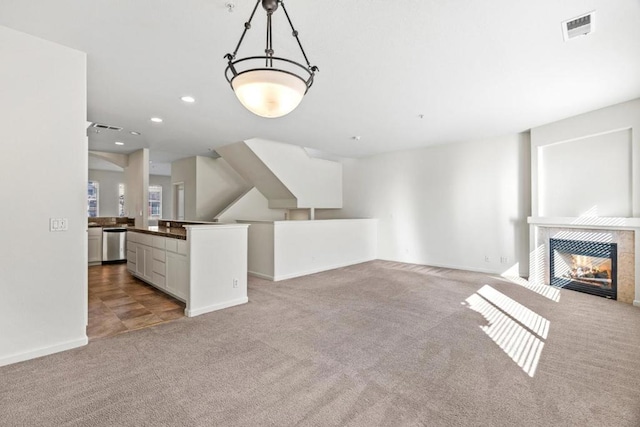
[(585, 269)]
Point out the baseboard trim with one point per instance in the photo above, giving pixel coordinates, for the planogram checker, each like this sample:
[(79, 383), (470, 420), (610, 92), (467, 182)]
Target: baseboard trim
[(320, 269), (636, 303), (450, 266), (215, 307), (260, 275), (44, 351)]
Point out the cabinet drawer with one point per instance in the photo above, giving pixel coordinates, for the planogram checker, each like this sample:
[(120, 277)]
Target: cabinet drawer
[(132, 237), (159, 280), (131, 266), (182, 247), (131, 256), (159, 254), (158, 267), (145, 239), (158, 242)]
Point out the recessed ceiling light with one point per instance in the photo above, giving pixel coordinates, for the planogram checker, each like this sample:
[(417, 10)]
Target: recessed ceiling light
[(356, 138), (133, 132), (119, 143), (156, 119), (189, 99)]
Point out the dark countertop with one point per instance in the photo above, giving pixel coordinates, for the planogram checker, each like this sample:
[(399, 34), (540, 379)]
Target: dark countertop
[(173, 232), (109, 221)]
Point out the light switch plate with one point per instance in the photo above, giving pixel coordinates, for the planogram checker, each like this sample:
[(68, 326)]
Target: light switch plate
[(58, 224)]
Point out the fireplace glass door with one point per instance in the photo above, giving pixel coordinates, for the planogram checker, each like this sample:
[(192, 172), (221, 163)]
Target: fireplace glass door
[(584, 266)]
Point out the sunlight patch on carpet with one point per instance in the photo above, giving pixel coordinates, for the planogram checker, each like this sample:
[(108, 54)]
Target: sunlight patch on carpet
[(547, 291), (518, 331)]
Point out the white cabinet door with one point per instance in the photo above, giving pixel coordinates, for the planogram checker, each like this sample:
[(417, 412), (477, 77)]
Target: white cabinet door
[(143, 261), (148, 263), (95, 249), (95, 244), (139, 260), (177, 268)]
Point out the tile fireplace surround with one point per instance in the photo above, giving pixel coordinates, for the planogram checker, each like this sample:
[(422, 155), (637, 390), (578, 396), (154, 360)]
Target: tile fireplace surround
[(625, 232)]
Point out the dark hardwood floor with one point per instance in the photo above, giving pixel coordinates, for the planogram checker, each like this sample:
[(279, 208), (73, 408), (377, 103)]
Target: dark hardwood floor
[(118, 302)]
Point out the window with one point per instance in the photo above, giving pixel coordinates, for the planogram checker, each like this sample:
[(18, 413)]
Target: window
[(121, 211), (92, 199), (155, 201)]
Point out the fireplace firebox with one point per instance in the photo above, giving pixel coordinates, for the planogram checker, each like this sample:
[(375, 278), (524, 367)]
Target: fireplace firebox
[(584, 266)]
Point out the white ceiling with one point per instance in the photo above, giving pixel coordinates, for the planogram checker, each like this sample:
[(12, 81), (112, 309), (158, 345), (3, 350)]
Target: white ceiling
[(473, 69), (96, 163)]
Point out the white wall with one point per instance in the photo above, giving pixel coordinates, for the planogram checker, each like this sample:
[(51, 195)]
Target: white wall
[(449, 205), (218, 185), (108, 182), (316, 183), (167, 193), (184, 171), (136, 194), (245, 161), (108, 191), (251, 205), (306, 247), (589, 176), (285, 174), (43, 274), (217, 259), (280, 250), (260, 251), (599, 153), (210, 185)]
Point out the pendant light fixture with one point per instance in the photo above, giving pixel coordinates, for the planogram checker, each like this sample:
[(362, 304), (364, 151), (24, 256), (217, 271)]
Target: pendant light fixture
[(269, 86)]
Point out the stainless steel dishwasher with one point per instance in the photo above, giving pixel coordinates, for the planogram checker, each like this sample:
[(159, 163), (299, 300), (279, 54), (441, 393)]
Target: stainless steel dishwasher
[(114, 244)]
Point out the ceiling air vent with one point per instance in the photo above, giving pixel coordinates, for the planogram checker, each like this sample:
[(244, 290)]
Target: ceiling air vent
[(102, 126), (580, 26)]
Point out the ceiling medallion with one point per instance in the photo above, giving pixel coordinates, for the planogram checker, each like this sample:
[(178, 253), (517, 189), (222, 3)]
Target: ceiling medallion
[(269, 86)]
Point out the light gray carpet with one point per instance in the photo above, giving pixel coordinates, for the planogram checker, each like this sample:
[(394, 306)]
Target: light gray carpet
[(379, 343)]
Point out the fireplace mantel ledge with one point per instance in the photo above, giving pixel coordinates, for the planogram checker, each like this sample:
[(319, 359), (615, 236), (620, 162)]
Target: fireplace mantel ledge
[(605, 223)]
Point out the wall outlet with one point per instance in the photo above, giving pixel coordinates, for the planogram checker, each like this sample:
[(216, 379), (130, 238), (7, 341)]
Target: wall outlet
[(235, 283), (486, 259), (504, 259)]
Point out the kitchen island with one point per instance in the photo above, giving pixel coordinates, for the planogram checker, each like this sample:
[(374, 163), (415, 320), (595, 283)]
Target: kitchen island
[(202, 264)]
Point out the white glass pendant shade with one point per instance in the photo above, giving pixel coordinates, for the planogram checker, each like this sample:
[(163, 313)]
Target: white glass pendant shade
[(269, 93)]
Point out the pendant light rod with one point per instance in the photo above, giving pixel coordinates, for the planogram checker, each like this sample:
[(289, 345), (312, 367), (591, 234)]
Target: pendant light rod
[(247, 26), (295, 34), (269, 49)]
